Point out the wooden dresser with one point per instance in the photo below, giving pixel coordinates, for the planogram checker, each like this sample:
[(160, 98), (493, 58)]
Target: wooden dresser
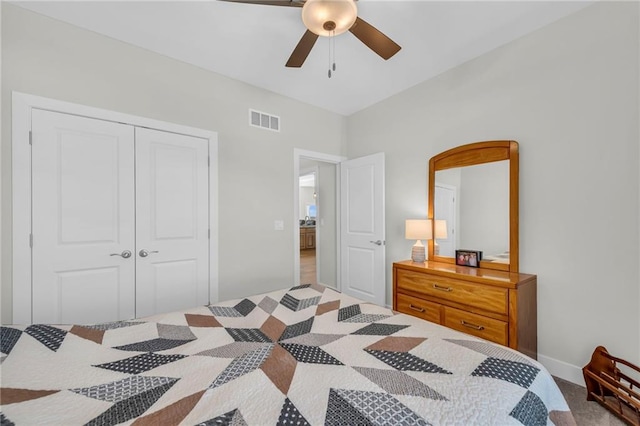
[(495, 305)]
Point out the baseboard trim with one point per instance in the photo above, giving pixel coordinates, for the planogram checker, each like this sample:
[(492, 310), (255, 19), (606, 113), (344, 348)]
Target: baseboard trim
[(562, 369), (330, 286)]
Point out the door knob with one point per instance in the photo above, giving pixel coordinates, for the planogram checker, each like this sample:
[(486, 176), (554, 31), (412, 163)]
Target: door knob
[(145, 253), (378, 243), (125, 254)]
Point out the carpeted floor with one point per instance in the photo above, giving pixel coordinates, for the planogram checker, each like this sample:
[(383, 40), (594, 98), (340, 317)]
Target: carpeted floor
[(586, 413)]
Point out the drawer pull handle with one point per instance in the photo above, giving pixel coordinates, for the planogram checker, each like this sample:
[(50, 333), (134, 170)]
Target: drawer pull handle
[(437, 287), (415, 308), (475, 327)]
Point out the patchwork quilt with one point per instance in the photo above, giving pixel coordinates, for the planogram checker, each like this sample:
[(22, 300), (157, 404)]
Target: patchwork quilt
[(306, 355)]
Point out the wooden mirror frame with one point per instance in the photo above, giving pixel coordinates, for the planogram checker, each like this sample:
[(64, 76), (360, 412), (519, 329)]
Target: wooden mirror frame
[(470, 155)]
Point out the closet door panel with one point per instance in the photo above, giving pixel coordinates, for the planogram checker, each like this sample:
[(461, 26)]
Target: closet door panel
[(83, 217), (172, 225)]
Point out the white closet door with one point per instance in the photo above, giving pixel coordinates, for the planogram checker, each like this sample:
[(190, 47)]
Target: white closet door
[(83, 219), (172, 225)]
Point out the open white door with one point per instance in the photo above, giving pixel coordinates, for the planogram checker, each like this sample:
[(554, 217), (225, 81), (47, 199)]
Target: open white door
[(362, 239)]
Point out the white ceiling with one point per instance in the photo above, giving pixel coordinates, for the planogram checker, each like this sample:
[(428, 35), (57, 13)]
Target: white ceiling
[(252, 43)]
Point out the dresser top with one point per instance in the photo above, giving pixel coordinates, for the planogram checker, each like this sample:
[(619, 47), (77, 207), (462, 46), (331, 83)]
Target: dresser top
[(482, 275)]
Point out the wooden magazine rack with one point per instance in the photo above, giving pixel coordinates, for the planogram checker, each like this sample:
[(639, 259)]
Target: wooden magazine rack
[(613, 389)]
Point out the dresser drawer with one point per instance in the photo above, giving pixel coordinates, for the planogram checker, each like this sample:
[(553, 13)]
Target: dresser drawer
[(485, 297), (418, 308), (476, 325)]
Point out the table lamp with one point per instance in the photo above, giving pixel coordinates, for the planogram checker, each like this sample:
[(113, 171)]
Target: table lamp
[(441, 233), (418, 229)]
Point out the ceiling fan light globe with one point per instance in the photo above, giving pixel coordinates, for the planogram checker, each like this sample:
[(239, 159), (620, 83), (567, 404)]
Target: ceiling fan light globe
[(315, 13)]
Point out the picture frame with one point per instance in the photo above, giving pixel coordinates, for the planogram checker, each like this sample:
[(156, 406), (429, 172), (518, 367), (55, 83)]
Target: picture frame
[(468, 258)]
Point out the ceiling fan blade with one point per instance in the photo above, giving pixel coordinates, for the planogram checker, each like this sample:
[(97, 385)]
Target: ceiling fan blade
[(374, 39), (302, 50), (290, 3)]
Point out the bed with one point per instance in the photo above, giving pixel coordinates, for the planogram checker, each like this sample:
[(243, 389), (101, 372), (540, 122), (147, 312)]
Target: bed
[(303, 355)]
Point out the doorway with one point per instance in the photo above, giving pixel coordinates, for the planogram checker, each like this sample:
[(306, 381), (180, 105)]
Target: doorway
[(316, 218), (358, 248), (308, 214)]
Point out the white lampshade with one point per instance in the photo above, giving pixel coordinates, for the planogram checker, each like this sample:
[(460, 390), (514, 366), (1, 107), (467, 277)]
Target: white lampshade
[(441, 229), (417, 229), (329, 17)]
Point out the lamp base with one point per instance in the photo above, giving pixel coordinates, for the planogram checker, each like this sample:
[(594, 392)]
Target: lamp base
[(418, 254)]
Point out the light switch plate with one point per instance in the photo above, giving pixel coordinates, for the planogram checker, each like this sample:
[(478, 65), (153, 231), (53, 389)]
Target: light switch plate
[(278, 225)]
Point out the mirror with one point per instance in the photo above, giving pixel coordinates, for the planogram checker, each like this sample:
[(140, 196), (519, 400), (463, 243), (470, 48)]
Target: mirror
[(473, 196), (473, 202)]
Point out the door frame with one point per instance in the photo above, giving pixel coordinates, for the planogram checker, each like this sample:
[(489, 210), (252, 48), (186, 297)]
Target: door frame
[(22, 105), (325, 158)]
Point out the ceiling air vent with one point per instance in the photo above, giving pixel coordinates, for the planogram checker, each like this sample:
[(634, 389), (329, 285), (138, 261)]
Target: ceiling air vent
[(264, 120)]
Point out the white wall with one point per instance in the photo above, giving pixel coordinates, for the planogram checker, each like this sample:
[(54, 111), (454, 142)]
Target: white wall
[(49, 58), (569, 94)]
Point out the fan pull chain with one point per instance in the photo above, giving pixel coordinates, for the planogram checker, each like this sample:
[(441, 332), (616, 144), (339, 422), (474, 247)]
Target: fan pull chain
[(333, 42), (329, 73), (332, 52)]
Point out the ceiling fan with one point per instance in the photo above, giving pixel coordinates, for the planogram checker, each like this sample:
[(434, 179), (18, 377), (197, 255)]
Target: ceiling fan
[(330, 18)]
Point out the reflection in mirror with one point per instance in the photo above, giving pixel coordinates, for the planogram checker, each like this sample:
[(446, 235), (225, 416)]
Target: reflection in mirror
[(474, 202), (475, 188)]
